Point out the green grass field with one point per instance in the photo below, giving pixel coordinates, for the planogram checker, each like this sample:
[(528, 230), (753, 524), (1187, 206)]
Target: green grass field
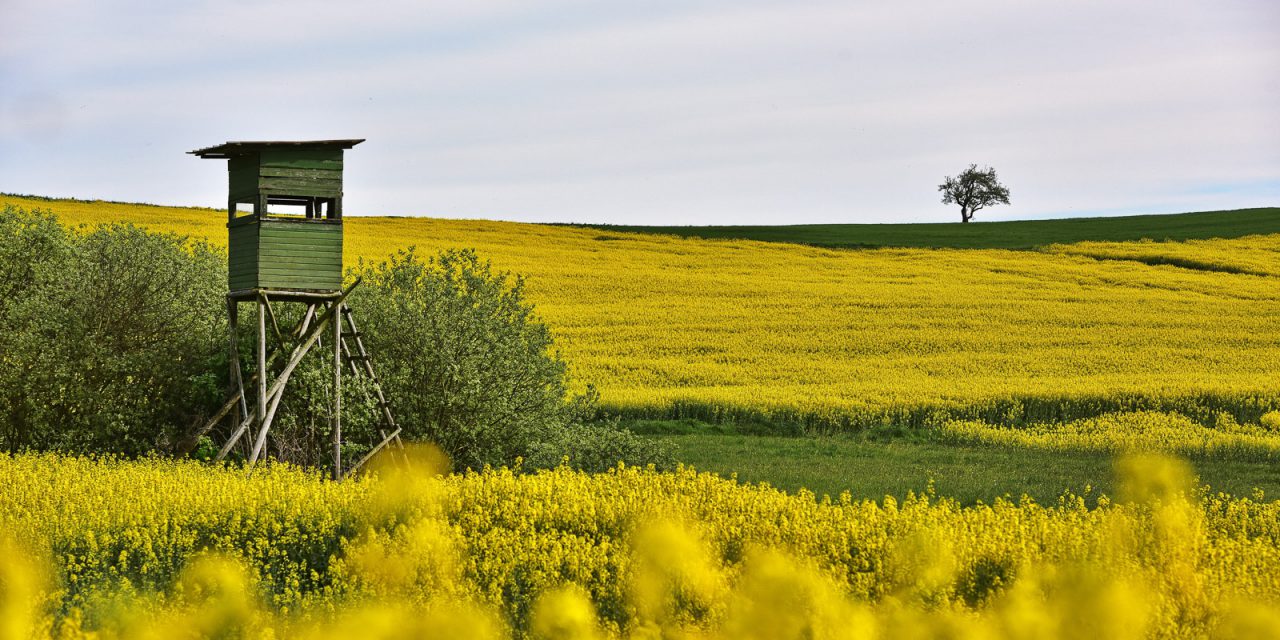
[(1019, 234), (970, 474)]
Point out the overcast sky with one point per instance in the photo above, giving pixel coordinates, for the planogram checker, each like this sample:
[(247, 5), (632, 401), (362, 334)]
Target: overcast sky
[(656, 112)]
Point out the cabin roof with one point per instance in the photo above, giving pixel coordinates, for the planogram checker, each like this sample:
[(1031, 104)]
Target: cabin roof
[(231, 149)]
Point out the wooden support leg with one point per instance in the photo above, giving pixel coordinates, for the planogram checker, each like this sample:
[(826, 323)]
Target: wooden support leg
[(277, 387), (306, 321), (262, 380), (237, 382), (337, 391), (271, 313), (395, 436)]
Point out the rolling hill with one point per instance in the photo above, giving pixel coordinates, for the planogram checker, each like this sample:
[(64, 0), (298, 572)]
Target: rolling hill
[(839, 339)]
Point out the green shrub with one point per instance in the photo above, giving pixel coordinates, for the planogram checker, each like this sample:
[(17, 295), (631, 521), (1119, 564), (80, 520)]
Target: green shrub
[(599, 447), (113, 335), (469, 366)]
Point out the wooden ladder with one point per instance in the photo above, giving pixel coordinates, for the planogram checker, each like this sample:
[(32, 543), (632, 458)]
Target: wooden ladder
[(362, 363)]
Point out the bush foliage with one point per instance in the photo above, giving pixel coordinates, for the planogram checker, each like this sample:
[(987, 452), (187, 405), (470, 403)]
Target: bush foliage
[(475, 371), (113, 335)]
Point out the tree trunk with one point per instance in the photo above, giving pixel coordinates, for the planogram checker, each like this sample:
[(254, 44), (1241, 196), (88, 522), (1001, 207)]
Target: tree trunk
[(964, 214)]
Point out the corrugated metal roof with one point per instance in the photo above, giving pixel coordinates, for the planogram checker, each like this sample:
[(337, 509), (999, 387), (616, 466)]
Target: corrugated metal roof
[(229, 149)]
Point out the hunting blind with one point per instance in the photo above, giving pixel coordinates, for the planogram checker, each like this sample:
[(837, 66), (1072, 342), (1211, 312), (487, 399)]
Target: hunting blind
[(290, 256)]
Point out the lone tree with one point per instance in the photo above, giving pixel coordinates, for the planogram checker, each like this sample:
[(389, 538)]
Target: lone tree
[(973, 189)]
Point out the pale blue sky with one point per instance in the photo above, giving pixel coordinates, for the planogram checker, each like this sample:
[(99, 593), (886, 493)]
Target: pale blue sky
[(656, 112)]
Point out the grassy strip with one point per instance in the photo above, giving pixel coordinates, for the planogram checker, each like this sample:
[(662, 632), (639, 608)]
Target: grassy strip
[(1016, 234), (874, 469), (684, 417)]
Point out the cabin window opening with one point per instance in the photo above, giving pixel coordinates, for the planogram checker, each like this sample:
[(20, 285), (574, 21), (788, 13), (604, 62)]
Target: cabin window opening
[(297, 209)]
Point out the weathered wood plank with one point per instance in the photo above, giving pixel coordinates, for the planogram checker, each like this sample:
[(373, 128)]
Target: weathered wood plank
[(284, 154), (286, 184), (242, 282), (304, 262), (296, 275), (282, 229), (303, 253), (301, 231), (317, 190), (289, 172), (325, 165), (309, 246), (299, 273), (314, 260), (326, 239), (305, 284)]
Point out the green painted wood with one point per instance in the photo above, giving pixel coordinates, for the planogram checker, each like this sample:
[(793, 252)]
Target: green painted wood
[(269, 258), (312, 284), (242, 281), (291, 254), (301, 237), (309, 282), (302, 158), (324, 257), (331, 242), (302, 243), (242, 173), (295, 253), (310, 174), (302, 226), (289, 185), (313, 192), (300, 265)]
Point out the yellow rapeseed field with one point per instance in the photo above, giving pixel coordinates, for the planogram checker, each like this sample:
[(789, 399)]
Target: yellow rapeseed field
[(1125, 432), (665, 326), (167, 549)]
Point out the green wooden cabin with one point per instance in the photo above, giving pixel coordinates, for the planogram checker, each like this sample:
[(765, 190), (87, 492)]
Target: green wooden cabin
[(298, 251)]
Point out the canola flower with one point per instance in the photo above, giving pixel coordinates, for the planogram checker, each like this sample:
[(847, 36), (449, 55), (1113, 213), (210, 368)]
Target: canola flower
[(1255, 256), (108, 548), (1223, 438), (837, 339)]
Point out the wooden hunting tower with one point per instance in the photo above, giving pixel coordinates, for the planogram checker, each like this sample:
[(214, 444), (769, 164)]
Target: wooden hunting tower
[(286, 252), (289, 257)]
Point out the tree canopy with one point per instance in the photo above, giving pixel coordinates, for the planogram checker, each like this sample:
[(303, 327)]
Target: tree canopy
[(973, 189)]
